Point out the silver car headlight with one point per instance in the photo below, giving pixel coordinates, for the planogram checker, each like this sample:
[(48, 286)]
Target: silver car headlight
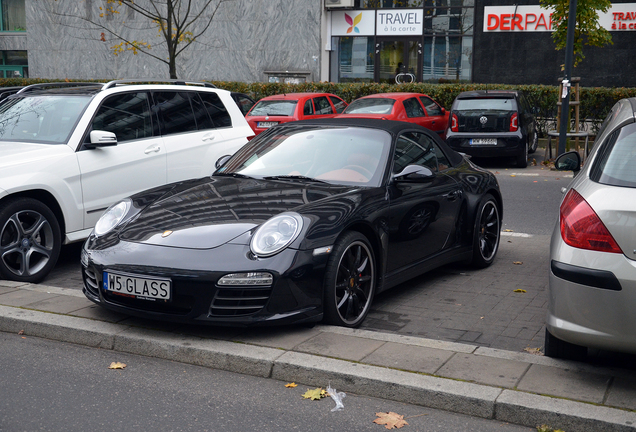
[(112, 217), (276, 234)]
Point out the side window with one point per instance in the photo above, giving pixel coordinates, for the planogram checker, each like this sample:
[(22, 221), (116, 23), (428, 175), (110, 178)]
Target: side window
[(414, 148), (200, 112), (175, 112), (217, 111), (413, 108), (322, 105), (308, 108), (244, 103), (338, 103), (127, 115), (431, 106)]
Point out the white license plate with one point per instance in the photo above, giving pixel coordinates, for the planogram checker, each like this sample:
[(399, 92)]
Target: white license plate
[(483, 141), (266, 124), (141, 287)]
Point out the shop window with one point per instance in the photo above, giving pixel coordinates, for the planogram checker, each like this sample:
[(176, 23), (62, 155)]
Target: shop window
[(447, 57), (449, 20), (387, 4), (354, 59), (13, 17), (14, 64)]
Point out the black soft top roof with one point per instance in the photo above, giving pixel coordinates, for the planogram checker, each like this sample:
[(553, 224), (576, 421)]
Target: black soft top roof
[(391, 126)]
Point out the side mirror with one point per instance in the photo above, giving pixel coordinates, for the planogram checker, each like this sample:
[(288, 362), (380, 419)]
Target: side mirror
[(570, 161), (221, 161), (414, 172), (99, 138)]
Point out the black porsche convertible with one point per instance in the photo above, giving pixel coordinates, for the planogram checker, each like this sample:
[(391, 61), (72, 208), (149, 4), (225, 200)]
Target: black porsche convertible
[(307, 222)]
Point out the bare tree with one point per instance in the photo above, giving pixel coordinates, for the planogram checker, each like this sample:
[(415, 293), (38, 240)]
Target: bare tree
[(179, 23)]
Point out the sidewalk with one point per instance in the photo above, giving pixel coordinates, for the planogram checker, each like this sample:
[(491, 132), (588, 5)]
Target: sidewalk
[(519, 388)]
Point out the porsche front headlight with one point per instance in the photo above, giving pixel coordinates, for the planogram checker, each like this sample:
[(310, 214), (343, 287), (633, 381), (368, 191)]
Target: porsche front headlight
[(276, 234), (112, 217)]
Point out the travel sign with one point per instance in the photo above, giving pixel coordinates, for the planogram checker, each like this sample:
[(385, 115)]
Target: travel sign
[(620, 17)]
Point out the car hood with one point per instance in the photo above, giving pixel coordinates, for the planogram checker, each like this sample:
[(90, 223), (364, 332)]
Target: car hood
[(16, 153), (212, 212)]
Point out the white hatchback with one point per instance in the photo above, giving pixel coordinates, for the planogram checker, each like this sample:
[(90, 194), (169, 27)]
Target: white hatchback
[(70, 150)]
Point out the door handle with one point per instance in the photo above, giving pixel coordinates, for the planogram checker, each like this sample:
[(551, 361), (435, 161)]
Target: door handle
[(454, 195), (155, 149), (209, 137)]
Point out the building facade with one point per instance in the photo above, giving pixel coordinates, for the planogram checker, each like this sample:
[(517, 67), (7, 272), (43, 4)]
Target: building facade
[(481, 41)]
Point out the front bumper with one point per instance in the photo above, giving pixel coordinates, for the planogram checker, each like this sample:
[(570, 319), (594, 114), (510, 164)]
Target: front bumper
[(295, 296)]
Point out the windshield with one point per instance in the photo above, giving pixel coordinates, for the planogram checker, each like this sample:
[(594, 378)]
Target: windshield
[(40, 119), (338, 155), (274, 108), (370, 106), (485, 104)]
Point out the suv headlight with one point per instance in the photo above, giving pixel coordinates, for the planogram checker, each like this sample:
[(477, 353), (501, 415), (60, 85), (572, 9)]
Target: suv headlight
[(112, 217), (276, 234)]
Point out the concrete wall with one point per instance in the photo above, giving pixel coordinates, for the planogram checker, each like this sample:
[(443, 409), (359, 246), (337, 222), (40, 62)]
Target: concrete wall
[(246, 38)]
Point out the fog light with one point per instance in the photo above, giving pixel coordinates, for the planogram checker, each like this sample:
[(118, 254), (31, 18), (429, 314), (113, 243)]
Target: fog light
[(243, 279)]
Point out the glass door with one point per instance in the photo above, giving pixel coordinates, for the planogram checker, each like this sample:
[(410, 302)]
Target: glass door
[(397, 60)]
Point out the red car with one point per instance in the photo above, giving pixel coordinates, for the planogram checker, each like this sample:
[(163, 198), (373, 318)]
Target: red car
[(273, 110), (409, 107)]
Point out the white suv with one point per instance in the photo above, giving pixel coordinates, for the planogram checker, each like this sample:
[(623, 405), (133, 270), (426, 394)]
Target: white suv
[(70, 150)]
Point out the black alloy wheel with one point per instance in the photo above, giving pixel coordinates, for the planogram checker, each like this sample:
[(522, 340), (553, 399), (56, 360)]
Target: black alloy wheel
[(350, 279), (30, 240), (486, 232)]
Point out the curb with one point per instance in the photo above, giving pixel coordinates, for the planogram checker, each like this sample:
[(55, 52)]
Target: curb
[(462, 397)]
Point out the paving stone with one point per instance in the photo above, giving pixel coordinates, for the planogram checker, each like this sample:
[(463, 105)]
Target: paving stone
[(571, 384), (408, 357), (7, 289), (60, 304), (622, 393), (23, 297), (280, 337), (340, 346), (485, 370), (99, 313)]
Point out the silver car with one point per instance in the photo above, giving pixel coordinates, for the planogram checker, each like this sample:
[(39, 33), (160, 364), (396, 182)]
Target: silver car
[(592, 288)]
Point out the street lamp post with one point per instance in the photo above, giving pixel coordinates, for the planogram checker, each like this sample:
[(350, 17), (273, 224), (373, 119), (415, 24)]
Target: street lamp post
[(565, 93)]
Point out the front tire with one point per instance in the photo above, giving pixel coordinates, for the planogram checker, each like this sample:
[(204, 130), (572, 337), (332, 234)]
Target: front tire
[(486, 233), (350, 280), (30, 240)]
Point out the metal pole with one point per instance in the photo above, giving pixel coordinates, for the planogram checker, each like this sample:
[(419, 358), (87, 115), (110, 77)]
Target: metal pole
[(565, 94)]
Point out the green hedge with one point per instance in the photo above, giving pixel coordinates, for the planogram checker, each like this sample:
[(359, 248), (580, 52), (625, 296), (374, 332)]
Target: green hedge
[(595, 101)]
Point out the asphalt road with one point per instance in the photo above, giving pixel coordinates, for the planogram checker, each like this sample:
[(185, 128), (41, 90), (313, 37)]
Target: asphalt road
[(54, 386)]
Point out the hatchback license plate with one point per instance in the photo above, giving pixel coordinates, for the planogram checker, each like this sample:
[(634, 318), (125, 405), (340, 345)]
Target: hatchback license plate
[(138, 286), (266, 124), (483, 141)]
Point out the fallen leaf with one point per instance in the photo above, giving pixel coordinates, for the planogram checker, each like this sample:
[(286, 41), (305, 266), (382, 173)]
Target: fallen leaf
[(518, 262), (535, 351), (315, 394), (391, 420), (520, 291), (507, 230), (21, 332), (512, 175), (291, 385), (117, 365)]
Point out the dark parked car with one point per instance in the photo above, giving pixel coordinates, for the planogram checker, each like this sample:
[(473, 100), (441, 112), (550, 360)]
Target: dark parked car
[(307, 221), (493, 123)]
